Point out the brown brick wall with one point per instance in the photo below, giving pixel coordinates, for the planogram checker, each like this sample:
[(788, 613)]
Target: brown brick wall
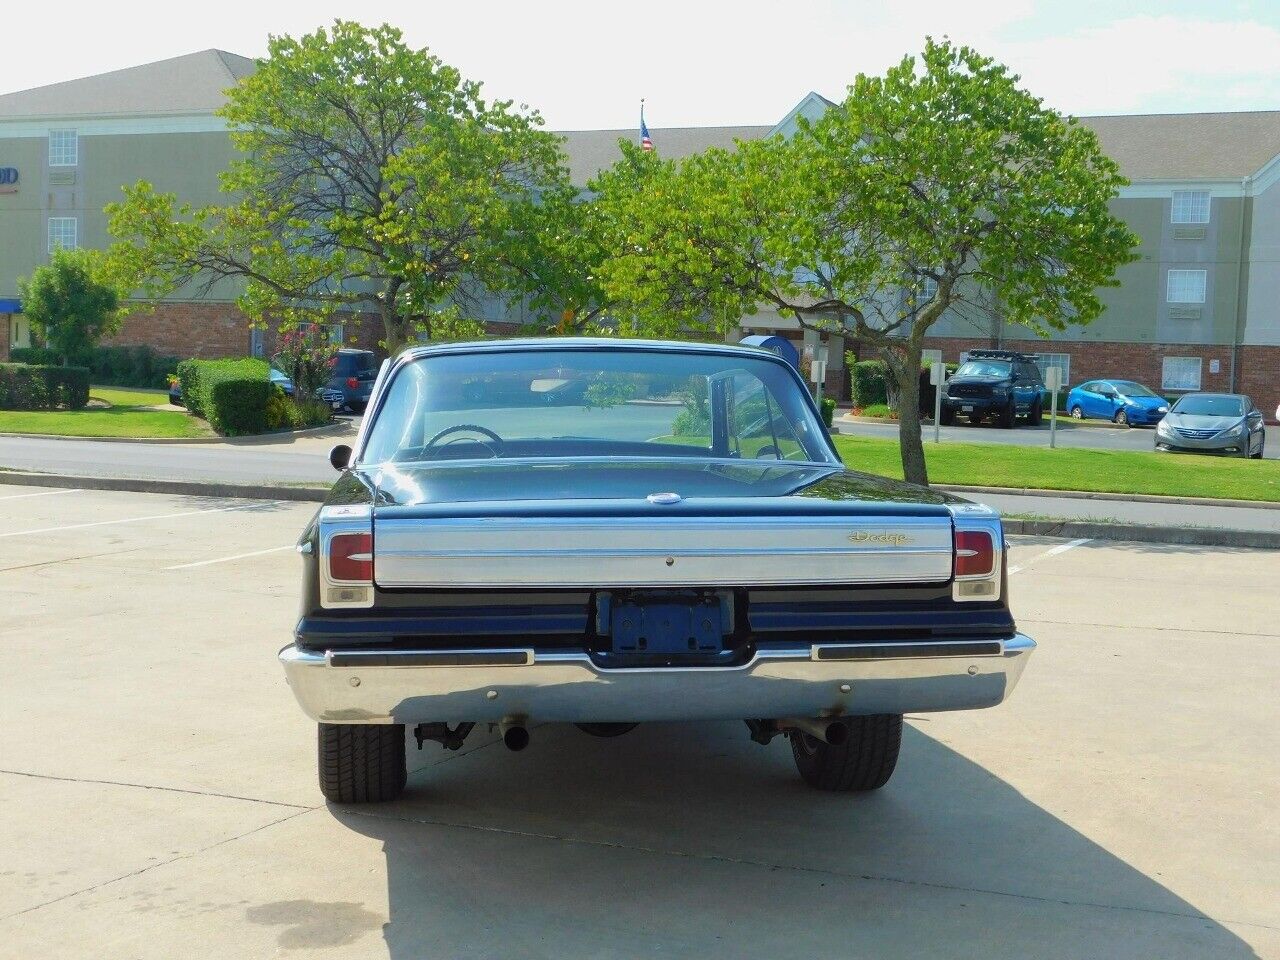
[(1259, 377), (5, 335)]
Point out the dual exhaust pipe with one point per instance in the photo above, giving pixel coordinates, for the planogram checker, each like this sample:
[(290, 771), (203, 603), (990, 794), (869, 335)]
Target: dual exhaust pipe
[(515, 735)]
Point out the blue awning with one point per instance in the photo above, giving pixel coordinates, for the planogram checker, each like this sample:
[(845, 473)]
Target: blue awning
[(10, 306)]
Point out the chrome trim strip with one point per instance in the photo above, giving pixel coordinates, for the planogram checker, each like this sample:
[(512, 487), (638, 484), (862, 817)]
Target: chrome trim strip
[(662, 550), (568, 686)]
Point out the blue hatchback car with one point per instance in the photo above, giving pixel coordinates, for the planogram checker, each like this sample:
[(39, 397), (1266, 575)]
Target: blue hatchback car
[(1121, 401)]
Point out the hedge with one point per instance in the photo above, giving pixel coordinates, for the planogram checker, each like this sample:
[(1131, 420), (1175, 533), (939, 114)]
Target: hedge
[(231, 394), (828, 410), (869, 382), (138, 366), (27, 386)]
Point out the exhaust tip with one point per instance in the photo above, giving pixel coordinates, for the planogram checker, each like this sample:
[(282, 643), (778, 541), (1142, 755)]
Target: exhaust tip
[(516, 738), (836, 734)]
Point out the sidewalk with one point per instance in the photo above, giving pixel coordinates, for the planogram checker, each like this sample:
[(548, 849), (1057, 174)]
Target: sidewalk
[(1128, 511)]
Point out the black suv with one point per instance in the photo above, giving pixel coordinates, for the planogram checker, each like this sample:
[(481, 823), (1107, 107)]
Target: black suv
[(1000, 384), (350, 380)]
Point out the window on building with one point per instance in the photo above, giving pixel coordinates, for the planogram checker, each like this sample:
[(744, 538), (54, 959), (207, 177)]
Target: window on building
[(64, 148), (62, 233), (1060, 360), (1180, 373), (928, 357), (257, 342), (1185, 286), (1190, 206), (928, 289)]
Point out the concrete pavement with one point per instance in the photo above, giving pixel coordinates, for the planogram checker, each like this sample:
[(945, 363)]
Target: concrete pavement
[(160, 799)]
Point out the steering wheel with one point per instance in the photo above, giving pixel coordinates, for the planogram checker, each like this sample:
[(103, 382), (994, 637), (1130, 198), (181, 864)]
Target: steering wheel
[(460, 428)]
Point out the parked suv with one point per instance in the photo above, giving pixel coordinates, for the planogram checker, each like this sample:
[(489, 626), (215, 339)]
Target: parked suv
[(351, 380), (1000, 384)]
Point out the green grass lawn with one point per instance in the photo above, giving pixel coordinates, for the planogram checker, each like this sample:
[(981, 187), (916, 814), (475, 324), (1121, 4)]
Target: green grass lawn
[(1110, 471), (126, 417)]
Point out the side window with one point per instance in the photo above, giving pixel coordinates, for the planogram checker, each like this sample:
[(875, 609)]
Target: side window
[(757, 427)]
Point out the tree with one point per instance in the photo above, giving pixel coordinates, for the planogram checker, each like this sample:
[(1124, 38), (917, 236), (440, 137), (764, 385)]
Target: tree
[(371, 178), (942, 170), (71, 303)]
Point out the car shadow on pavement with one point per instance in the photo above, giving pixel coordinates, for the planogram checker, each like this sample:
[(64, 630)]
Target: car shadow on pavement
[(689, 841)]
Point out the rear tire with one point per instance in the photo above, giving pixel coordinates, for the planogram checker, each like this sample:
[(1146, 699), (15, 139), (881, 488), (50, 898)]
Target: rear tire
[(1077, 413), (606, 729), (361, 762), (865, 761), (947, 417), (1121, 418), (1033, 418)]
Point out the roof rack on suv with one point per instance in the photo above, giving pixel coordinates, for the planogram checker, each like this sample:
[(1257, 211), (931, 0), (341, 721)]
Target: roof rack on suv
[(1002, 355)]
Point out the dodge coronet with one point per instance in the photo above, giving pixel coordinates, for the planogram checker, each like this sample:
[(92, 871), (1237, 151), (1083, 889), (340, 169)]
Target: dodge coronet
[(612, 532)]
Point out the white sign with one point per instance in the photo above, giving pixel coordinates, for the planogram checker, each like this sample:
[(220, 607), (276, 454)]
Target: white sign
[(818, 371), (938, 373), (1215, 366), (1053, 378)]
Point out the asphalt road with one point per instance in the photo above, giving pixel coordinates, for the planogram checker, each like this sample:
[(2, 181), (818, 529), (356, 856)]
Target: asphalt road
[(1096, 437), (159, 794)]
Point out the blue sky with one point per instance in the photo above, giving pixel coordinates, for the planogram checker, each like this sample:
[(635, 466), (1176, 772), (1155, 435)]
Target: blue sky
[(587, 64)]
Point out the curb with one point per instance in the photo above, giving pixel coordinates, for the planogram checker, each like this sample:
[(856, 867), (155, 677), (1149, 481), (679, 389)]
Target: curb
[(235, 441), (1072, 529), (189, 488), (1064, 422), (1102, 495)]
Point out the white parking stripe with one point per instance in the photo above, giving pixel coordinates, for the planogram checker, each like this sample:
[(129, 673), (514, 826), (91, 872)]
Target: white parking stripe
[(238, 556), (1052, 552), (154, 516), (42, 493)]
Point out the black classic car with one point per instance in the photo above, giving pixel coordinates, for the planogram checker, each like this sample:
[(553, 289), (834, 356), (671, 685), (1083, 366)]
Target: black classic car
[(680, 542)]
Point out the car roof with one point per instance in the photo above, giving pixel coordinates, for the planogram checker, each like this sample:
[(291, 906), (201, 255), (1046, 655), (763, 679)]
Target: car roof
[(1226, 396), (587, 343)]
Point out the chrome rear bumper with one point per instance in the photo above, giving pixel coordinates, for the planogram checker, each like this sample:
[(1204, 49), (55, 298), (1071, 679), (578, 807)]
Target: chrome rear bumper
[(454, 686)]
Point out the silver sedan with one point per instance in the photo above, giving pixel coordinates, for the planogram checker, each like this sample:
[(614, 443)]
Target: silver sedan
[(1225, 424)]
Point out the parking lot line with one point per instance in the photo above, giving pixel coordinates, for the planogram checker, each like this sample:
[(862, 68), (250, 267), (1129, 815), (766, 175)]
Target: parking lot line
[(238, 556), (1051, 552), (42, 493), (154, 516)]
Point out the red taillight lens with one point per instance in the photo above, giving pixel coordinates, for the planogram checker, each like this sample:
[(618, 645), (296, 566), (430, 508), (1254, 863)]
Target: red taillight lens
[(352, 383), (351, 557), (975, 553)]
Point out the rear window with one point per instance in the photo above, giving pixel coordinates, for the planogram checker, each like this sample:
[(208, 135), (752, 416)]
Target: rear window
[(594, 403)]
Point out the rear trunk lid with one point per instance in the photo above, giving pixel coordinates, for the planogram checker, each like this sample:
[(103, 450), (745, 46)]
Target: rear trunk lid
[(608, 524)]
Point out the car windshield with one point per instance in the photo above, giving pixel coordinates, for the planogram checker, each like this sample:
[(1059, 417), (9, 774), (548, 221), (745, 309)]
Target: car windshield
[(1131, 389), (597, 402), (1209, 405), (983, 368)]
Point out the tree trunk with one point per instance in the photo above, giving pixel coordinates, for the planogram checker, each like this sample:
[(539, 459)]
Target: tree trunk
[(910, 445)]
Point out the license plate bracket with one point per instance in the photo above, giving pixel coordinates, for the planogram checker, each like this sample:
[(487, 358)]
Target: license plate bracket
[(666, 625)]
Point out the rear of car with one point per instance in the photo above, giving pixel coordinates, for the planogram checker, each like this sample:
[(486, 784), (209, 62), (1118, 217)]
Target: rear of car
[(681, 543), (351, 380)]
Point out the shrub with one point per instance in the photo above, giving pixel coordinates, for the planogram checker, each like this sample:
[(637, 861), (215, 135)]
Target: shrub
[(131, 366), (41, 356), (870, 382), (286, 414), (231, 394), (25, 386), (828, 410)]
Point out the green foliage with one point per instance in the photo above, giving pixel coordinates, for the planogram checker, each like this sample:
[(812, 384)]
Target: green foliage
[(828, 410), (41, 356), (285, 414), (943, 170), (879, 410), (371, 176), (70, 303), (695, 419), (25, 386), (306, 355), (131, 366), (870, 382), (231, 394)]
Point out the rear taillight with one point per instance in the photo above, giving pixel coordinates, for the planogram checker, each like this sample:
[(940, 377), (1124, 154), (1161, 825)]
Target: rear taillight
[(351, 557), (352, 383), (975, 553), (977, 563)]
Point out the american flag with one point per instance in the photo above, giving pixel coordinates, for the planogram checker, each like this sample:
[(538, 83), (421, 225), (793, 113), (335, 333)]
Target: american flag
[(646, 142)]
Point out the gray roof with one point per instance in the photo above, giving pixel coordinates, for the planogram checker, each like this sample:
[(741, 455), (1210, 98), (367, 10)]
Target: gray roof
[(195, 83), (1180, 146), (590, 151), (1162, 146)]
